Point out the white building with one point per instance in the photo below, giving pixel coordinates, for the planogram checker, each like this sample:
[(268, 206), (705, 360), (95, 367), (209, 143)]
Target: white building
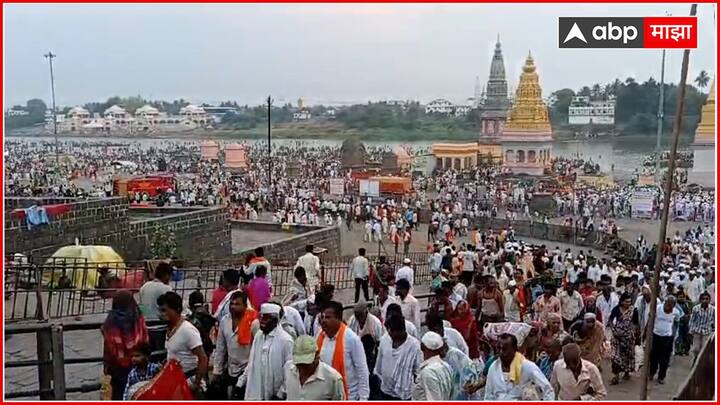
[(462, 110), (440, 106), (583, 111), (16, 113), (302, 115)]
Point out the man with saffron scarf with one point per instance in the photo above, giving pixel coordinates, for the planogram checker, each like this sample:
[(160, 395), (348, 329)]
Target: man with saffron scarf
[(123, 331), (343, 350), (513, 376), (234, 341), (264, 377)]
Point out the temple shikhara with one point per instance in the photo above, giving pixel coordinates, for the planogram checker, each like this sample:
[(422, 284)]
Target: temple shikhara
[(527, 136), (496, 103), (703, 171)]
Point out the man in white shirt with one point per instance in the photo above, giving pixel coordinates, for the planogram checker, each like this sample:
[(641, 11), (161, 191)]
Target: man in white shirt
[(398, 359), (337, 337), (264, 376), (406, 272), (309, 379), (434, 381), (292, 322), (311, 264), (594, 272), (360, 270), (469, 258), (153, 289), (409, 304), (512, 302), (364, 323), (662, 344), (504, 383), (606, 302), (382, 300), (571, 305), (230, 356)]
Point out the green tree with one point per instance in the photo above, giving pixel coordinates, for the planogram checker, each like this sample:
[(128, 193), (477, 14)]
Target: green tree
[(559, 111), (162, 243), (702, 79)]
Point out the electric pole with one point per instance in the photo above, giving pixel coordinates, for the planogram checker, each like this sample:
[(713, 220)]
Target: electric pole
[(660, 115), (269, 140), (655, 282), (50, 56)]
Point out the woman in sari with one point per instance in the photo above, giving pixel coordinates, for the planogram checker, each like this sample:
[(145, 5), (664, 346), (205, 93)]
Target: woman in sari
[(464, 322), (123, 331), (625, 327)]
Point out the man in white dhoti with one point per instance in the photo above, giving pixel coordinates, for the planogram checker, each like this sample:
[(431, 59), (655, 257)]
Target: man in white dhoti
[(272, 347), (399, 357), (434, 381), (512, 377)]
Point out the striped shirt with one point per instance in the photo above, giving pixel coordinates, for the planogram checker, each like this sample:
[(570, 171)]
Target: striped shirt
[(702, 320)]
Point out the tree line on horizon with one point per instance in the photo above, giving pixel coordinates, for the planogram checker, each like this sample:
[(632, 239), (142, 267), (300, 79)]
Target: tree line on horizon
[(635, 110)]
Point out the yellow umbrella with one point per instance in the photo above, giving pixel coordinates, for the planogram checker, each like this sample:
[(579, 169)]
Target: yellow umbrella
[(80, 264)]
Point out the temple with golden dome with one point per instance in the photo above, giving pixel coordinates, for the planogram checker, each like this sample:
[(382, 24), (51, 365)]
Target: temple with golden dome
[(703, 171), (526, 138)]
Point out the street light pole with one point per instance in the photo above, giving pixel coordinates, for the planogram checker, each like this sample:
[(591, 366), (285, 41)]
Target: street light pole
[(269, 140), (655, 281), (50, 56), (660, 115)]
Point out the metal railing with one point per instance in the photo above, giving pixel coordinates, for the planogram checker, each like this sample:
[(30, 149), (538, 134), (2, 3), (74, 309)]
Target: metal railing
[(51, 361), (42, 288)]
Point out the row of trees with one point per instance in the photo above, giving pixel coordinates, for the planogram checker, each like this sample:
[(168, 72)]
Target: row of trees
[(635, 111), (637, 103)]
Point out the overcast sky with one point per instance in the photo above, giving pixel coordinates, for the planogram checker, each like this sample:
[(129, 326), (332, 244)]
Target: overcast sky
[(334, 53)]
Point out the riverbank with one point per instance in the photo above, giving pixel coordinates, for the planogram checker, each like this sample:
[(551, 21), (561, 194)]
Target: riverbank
[(315, 132)]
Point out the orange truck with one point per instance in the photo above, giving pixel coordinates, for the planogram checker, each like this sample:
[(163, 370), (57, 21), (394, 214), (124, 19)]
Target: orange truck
[(152, 185)]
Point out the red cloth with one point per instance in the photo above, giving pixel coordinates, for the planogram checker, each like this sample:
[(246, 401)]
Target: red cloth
[(169, 385), (218, 295), (53, 210)]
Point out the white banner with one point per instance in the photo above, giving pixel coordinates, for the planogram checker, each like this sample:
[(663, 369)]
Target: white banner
[(641, 203), (370, 188), (337, 186)]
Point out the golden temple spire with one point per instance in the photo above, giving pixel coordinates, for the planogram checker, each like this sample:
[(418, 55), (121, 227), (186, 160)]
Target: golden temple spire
[(529, 113), (705, 133)]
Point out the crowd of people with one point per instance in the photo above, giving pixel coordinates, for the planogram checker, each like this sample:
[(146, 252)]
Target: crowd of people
[(506, 320)]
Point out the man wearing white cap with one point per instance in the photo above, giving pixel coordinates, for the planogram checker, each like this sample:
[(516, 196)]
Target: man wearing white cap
[(434, 381), (696, 285), (512, 302), (272, 347), (406, 272), (309, 379)]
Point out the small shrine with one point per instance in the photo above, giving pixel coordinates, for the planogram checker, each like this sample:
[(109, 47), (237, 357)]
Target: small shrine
[(703, 171)]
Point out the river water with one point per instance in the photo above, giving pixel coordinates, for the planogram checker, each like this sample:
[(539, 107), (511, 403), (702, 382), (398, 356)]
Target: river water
[(624, 156)]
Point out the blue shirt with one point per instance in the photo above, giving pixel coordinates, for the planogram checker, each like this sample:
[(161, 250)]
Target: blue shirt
[(135, 377)]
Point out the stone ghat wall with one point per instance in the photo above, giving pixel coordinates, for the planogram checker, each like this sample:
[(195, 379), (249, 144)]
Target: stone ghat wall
[(91, 221), (199, 234), (299, 236)]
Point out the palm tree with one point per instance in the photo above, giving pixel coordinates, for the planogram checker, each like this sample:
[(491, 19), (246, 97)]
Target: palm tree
[(702, 79)]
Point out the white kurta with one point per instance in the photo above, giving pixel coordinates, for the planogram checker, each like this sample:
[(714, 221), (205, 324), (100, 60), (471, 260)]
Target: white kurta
[(264, 376), (434, 381), (500, 388), (397, 367)]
